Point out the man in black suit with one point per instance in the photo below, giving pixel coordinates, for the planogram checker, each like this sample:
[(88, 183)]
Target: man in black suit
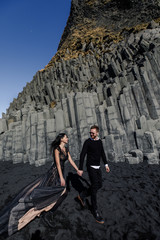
[(93, 147)]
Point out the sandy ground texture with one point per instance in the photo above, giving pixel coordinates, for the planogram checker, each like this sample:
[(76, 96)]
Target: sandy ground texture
[(129, 202)]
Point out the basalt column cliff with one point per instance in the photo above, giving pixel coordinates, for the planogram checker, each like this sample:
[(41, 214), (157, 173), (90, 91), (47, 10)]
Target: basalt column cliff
[(107, 72)]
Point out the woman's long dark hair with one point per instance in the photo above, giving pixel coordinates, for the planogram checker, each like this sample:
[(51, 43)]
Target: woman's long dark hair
[(56, 142)]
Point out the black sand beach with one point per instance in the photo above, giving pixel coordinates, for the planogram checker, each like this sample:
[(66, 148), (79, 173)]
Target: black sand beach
[(129, 202)]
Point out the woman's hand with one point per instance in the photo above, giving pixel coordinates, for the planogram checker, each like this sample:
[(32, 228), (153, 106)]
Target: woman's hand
[(63, 183)]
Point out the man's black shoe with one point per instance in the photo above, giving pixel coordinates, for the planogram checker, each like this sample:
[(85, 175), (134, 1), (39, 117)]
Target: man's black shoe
[(81, 200), (98, 218)]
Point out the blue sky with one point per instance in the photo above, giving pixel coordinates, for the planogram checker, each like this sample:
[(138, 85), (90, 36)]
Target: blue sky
[(30, 31)]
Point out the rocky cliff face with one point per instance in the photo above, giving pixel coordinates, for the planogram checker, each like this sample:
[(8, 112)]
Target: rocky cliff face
[(100, 23), (106, 72)]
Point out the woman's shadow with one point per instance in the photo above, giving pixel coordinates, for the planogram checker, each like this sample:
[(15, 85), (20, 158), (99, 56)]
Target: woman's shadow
[(80, 184)]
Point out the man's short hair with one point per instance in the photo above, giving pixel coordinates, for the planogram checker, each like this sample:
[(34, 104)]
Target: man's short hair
[(95, 127)]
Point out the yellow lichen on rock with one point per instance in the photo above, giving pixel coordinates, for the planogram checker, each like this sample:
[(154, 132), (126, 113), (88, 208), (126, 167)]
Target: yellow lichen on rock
[(52, 104), (157, 20), (78, 42)]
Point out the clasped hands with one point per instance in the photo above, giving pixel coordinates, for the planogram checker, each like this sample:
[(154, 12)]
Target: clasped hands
[(79, 172)]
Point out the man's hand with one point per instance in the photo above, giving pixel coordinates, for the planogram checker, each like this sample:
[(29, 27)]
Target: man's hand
[(107, 169), (79, 172)]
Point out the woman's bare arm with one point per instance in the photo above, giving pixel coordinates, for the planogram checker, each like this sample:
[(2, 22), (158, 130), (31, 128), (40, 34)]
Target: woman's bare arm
[(79, 172)]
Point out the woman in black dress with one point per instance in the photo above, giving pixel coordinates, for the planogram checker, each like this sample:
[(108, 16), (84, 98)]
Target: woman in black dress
[(42, 194)]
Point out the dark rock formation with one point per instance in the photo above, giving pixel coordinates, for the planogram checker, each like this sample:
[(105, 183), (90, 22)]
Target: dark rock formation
[(105, 72)]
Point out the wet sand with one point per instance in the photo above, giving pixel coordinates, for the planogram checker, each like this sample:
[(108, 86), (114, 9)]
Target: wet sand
[(129, 202)]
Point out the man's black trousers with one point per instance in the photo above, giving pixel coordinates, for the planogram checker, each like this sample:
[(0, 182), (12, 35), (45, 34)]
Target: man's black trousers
[(95, 177)]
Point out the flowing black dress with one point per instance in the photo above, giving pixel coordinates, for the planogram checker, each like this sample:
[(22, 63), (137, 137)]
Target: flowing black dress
[(41, 195)]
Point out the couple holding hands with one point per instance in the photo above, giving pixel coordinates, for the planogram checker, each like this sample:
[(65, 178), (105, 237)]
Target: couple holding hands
[(49, 190), (94, 150)]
